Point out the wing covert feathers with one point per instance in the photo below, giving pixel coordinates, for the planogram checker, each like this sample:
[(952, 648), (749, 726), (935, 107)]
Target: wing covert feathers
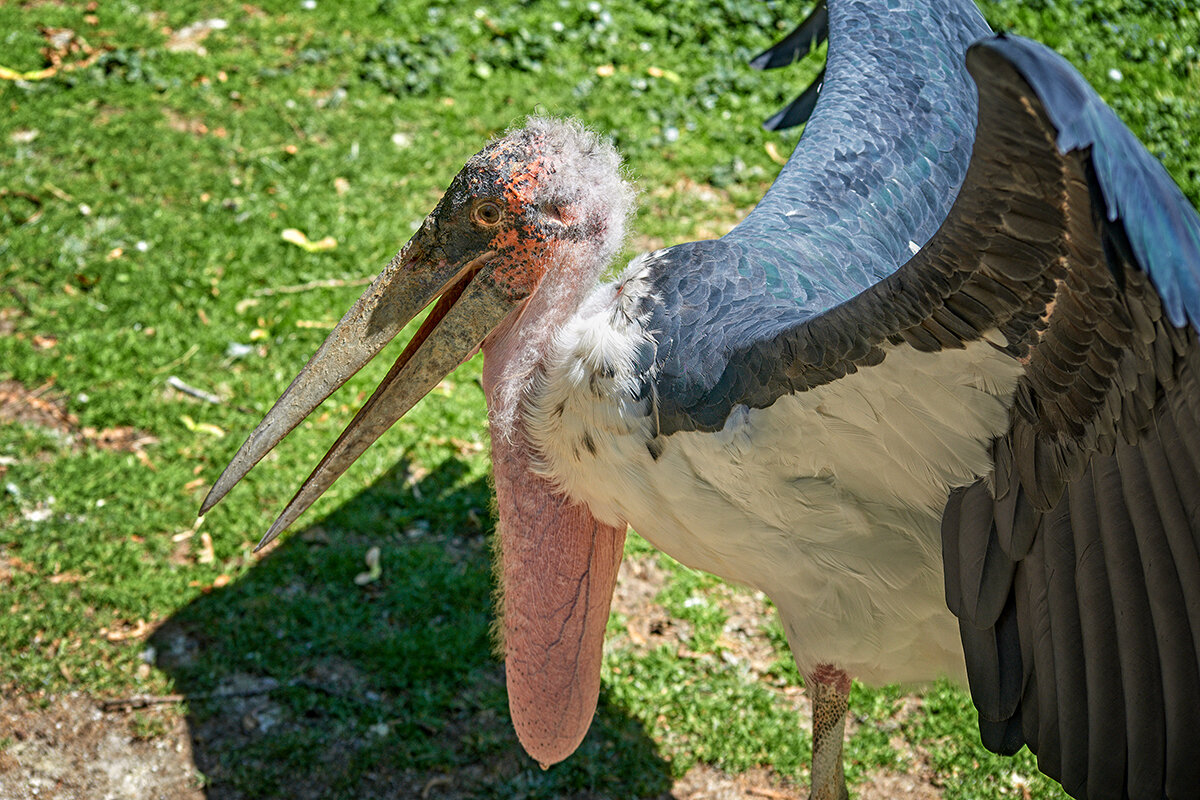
[(873, 175), (1086, 539)]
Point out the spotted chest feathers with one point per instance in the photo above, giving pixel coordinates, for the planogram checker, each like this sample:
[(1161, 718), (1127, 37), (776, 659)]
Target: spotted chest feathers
[(583, 411)]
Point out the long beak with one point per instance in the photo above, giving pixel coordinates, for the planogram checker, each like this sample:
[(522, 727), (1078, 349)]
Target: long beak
[(470, 306)]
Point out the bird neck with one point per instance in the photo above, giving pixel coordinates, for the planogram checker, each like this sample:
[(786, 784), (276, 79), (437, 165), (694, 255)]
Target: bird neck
[(515, 353)]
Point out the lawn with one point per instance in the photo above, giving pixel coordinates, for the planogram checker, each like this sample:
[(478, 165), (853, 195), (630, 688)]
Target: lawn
[(152, 307)]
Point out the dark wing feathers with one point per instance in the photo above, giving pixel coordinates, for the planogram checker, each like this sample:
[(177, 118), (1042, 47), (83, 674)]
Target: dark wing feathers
[(1137, 648), (982, 565), (1107, 606), (1094, 503), (799, 110), (803, 39), (1098, 627)]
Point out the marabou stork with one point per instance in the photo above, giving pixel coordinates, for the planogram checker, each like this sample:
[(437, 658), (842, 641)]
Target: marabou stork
[(939, 393)]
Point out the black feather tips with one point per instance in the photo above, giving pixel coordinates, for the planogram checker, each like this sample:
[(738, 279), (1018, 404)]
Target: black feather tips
[(805, 38)]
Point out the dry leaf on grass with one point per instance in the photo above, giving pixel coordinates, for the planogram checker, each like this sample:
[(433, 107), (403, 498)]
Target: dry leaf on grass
[(201, 427), (374, 571), (127, 631), (300, 239), (206, 555)]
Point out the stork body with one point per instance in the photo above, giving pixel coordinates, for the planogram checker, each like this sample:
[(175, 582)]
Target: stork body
[(828, 501), (938, 396), (817, 499)]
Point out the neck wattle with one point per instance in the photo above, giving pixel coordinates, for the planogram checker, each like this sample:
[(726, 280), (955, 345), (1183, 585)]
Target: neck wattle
[(557, 564), (557, 568), (515, 352)]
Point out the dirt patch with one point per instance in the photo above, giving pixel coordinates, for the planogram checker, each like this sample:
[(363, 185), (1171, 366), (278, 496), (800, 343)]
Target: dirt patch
[(8, 320), (649, 625), (43, 409), (66, 748), (918, 781), (706, 783), (37, 408), (918, 785), (646, 622)]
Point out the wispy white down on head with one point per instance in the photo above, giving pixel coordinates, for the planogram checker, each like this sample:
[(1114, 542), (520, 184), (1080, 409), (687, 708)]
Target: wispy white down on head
[(582, 185)]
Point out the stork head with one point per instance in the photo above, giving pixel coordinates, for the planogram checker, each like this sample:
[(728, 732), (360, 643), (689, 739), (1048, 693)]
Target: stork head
[(527, 225), (545, 200), (544, 196)]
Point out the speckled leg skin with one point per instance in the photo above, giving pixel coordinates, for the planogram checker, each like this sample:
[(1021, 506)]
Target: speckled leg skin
[(829, 689)]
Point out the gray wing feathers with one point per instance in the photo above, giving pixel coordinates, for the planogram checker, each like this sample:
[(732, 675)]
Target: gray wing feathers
[(990, 267), (876, 169)]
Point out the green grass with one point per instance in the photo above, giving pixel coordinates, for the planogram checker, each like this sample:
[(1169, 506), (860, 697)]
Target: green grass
[(141, 208)]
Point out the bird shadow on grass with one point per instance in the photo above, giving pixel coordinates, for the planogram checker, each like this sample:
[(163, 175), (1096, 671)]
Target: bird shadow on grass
[(305, 683)]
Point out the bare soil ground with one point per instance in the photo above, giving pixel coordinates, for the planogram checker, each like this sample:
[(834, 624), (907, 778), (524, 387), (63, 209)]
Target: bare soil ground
[(67, 748)]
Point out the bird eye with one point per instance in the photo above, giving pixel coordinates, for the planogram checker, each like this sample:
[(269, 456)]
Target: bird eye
[(487, 213)]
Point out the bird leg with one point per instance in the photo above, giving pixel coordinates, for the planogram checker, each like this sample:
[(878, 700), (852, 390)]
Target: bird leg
[(829, 690)]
